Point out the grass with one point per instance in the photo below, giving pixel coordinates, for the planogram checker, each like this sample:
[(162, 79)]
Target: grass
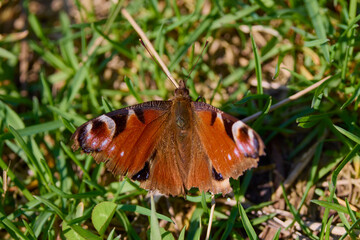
[(60, 68)]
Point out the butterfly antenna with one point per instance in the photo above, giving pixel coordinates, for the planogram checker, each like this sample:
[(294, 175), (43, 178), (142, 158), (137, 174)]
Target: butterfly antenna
[(193, 67), (148, 46), (161, 64)]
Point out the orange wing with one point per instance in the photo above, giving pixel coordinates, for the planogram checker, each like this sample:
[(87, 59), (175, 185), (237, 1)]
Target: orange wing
[(138, 141), (166, 169), (230, 144), (201, 172), (125, 138)]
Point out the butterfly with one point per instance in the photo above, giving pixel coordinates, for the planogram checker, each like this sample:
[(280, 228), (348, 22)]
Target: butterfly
[(172, 146)]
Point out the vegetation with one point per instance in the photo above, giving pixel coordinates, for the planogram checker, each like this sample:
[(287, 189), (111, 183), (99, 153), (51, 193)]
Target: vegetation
[(62, 65)]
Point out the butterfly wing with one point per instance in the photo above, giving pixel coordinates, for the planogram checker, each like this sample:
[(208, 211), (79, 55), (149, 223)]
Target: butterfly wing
[(166, 173), (201, 173), (230, 144), (125, 138), (137, 141)]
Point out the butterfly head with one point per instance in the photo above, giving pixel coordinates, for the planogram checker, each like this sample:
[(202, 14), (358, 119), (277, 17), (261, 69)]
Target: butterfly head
[(182, 91)]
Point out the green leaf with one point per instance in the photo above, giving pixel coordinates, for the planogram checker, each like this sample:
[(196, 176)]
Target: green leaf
[(328, 225), (102, 215)]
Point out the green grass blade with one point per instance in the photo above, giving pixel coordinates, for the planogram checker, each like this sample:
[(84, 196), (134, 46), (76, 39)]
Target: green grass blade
[(247, 224), (182, 234), (297, 217), (316, 42), (52, 206), (313, 10), (230, 18), (348, 134), (29, 153), (14, 179), (333, 206), (29, 232), (143, 211), (276, 237), (230, 223), (130, 85), (257, 66), (11, 227), (7, 54), (154, 224), (34, 129)]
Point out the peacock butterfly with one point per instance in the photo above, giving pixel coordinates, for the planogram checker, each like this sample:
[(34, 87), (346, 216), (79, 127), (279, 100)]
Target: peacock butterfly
[(172, 146)]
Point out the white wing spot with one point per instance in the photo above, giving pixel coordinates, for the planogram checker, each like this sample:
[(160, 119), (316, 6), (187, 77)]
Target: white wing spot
[(241, 147), (112, 148), (237, 152), (122, 154), (104, 143), (229, 156), (219, 116), (131, 112), (248, 148), (235, 128), (109, 122), (87, 130), (251, 137)]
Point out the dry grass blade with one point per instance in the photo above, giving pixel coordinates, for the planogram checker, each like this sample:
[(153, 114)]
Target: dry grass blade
[(213, 203), (149, 45), (287, 100)]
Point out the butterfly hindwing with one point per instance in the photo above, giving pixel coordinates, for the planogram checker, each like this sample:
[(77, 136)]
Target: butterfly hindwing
[(166, 170), (201, 173)]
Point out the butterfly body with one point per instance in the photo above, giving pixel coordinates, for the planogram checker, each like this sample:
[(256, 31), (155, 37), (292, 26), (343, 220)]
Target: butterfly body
[(172, 146)]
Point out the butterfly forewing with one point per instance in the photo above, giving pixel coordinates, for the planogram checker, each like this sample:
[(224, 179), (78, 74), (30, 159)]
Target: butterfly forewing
[(126, 138), (230, 144)]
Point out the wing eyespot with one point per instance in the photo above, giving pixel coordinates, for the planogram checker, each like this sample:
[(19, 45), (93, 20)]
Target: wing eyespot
[(217, 176), (143, 174)]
